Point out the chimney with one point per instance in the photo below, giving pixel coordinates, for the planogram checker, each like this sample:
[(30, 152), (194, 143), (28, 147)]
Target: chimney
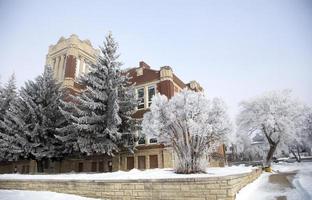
[(142, 64)]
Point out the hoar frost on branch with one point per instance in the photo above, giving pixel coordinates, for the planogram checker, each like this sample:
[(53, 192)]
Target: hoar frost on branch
[(275, 115), (8, 95), (191, 123)]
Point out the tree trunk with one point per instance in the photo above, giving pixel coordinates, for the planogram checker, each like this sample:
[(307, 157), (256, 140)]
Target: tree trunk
[(294, 154), (297, 157), (298, 151), (270, 155), (188, 163)]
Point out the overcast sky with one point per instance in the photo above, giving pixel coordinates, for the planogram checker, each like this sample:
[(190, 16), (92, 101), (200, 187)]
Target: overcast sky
[(234, 49)]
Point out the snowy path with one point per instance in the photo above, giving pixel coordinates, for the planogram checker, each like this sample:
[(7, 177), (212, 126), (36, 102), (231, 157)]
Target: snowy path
[(36, 195), (288, 182)]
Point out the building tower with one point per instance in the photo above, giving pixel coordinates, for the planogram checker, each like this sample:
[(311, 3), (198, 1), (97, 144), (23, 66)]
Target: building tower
[(69, 59)]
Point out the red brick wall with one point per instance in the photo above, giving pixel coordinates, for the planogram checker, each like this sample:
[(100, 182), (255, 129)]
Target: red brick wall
[(148, 76), (166, 87)]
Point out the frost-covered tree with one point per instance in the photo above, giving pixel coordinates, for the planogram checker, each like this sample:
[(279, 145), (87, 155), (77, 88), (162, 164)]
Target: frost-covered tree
[(303, 138), (30, 125), (127, 103), (248, 147), (274, 115), (307, 128), (8, 95), (191, 123), (100, 116)]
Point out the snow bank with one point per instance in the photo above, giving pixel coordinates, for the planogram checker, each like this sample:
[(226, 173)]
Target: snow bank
[(303, 180), (36, 195), (134, 174)]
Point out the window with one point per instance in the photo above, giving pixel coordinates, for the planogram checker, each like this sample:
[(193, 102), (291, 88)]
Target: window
[(151, 93), (140, 98), (153, 140), (141, 140)]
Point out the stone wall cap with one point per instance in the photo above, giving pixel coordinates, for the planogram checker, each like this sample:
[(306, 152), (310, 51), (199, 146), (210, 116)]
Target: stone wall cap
[(161, 180)]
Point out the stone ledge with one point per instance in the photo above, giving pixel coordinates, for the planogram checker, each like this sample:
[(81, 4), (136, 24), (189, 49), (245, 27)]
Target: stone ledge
[(223, 187), (196, 179)]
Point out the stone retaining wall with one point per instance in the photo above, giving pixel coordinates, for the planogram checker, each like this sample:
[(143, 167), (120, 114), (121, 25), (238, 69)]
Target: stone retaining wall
[(211, 188)]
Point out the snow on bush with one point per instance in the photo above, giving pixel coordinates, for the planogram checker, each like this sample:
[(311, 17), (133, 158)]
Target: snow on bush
[(191, 123)]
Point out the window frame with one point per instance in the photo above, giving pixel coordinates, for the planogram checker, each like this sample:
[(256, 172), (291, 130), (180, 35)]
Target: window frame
[(149, 100), (141, 101), (155, 141), (140, 139)]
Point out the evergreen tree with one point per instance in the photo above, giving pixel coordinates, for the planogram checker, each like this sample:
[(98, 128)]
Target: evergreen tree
[(101, 115), (127, 103), (8, 95), (31, 124)]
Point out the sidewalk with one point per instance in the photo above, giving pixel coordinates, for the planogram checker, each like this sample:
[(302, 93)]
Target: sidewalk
[(289, 181), (284, 181)]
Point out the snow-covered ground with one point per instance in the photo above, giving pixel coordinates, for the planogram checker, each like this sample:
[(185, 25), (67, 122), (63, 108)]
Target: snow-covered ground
[(133, 174), (264, 189), (35, 195)]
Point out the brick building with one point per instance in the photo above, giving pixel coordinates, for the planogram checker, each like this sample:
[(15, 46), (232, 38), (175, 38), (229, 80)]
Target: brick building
[(149, 153), (69, 59)]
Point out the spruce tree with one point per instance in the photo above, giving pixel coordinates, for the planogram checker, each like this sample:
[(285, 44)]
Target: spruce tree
[(31, 123), (99, 116), (8, 95)]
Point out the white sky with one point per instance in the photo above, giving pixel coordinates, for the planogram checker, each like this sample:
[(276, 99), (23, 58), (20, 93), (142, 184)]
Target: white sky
[(235, 49)]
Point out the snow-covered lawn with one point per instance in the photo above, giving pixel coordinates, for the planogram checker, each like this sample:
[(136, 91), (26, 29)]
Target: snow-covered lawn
[(295, 179), (36, 195), (133, 174)]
